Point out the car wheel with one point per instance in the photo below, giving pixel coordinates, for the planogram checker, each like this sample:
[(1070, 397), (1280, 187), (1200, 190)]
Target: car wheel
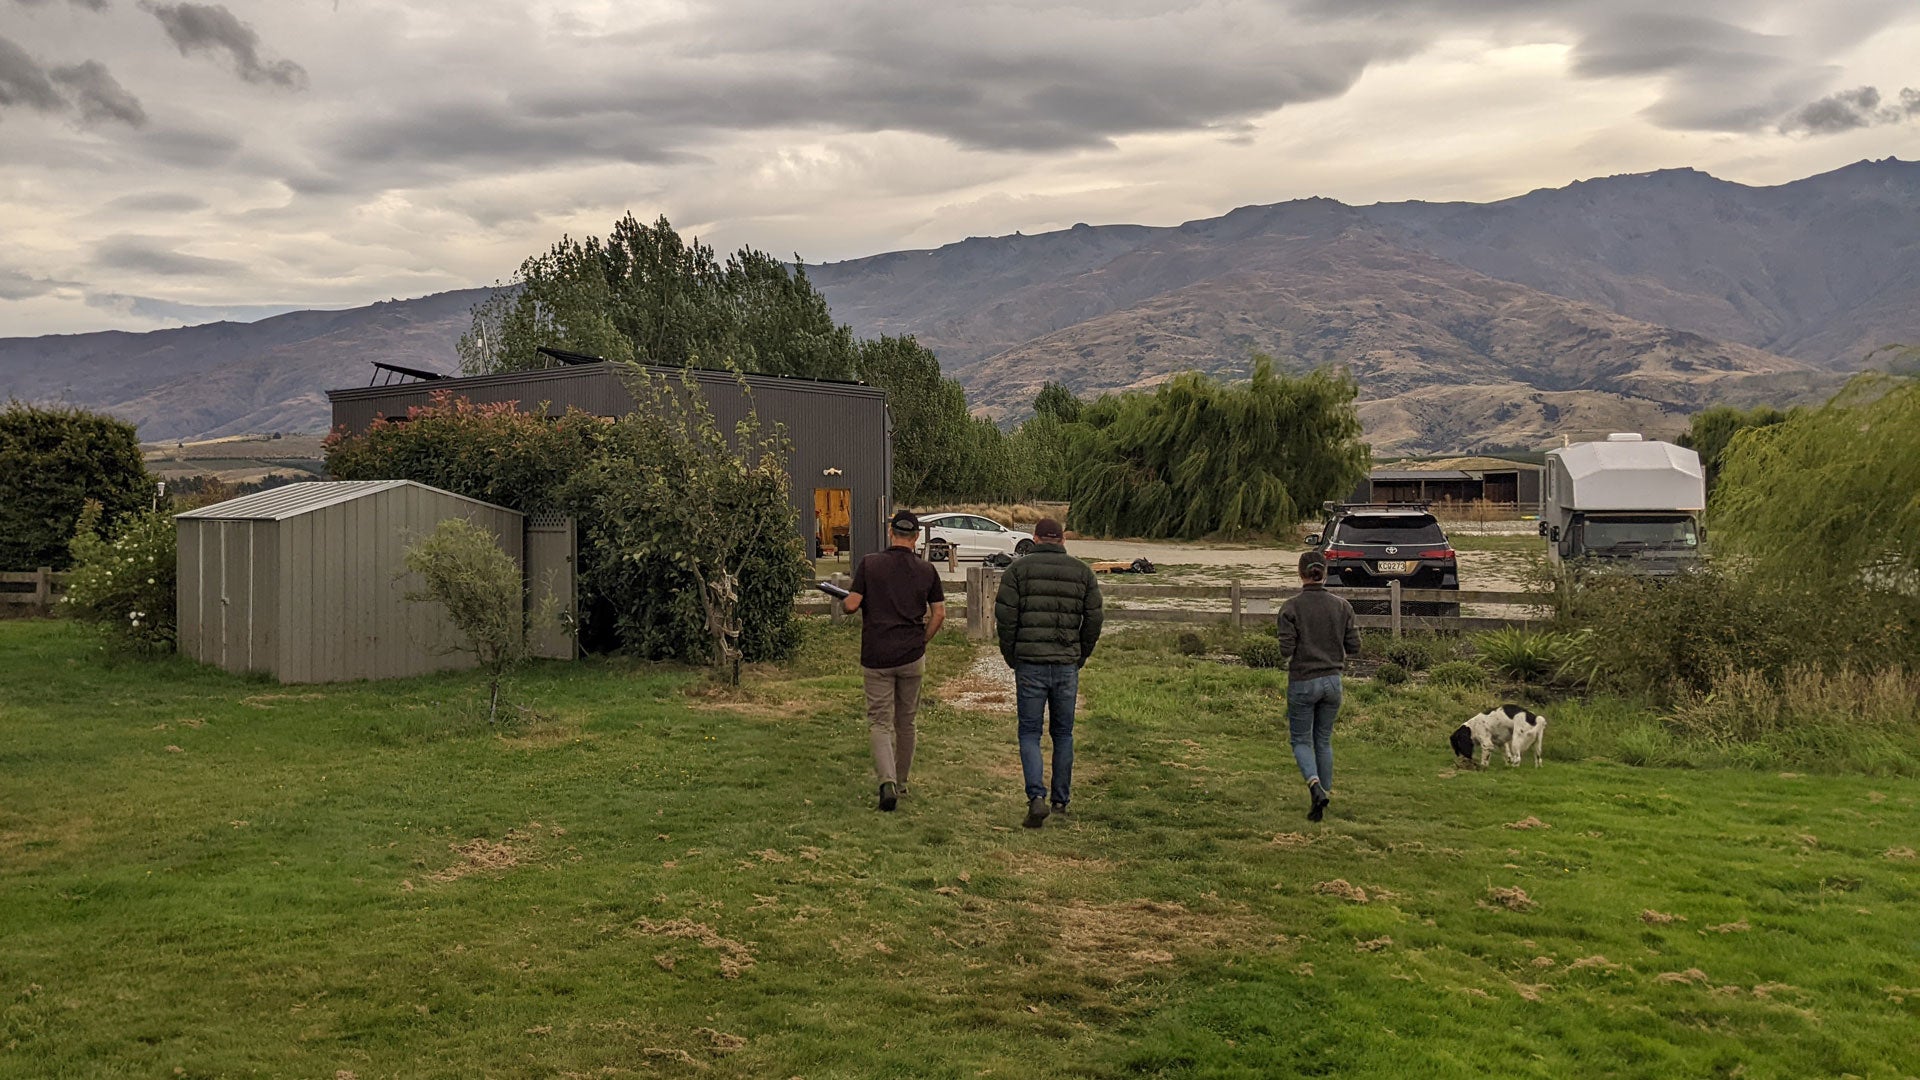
[(1023, 547), (937, 550)]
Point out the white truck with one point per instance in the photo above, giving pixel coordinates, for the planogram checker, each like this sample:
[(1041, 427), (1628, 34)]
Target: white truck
[(1629, 504)]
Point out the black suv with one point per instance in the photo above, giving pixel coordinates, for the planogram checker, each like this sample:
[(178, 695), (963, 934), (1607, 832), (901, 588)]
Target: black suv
[(1368, 545)]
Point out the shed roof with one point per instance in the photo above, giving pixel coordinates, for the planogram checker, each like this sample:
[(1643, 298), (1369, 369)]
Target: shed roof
[(292, 500), (1419, 474)]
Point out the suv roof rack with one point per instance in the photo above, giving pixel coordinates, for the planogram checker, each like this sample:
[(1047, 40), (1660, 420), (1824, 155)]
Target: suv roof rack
[(1331, 506)]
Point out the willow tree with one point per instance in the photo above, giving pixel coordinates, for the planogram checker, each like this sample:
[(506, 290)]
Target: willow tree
[(1199, 457), (1830, 496)]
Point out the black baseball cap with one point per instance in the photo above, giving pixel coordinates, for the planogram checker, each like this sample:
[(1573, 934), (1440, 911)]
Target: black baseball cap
[(905, 523)]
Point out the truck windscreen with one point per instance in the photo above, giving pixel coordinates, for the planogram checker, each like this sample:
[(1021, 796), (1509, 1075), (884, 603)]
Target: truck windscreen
[(1647, 533)]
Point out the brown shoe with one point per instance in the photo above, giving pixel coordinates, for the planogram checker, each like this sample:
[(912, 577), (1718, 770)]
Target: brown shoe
[(1036, 813)]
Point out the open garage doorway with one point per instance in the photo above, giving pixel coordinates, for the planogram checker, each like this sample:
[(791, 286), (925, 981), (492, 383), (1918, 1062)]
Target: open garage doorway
[(833, 522)]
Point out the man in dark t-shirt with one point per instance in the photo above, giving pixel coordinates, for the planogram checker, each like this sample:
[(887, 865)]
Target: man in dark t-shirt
[(901, 606)]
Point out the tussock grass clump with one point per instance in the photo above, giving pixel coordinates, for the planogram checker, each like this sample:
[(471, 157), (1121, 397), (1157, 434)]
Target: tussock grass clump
[(1527, 656), (1390, 674)]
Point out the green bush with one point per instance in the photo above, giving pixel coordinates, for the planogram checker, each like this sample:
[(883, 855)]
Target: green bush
[(1262, 652), (52, 463), (1458, 673), (1528, 656), (463, 569), (1412, 653), (1390, 674), (124, 584), (1191, 644)]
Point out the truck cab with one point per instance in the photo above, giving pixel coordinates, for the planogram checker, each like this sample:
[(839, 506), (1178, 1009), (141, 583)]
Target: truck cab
[(1628, 504)]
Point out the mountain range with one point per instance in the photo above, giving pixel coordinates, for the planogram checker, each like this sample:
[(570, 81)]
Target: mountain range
[(1625, 302)]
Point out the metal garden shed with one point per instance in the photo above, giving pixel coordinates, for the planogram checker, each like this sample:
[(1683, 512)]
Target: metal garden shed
[(308, 582)]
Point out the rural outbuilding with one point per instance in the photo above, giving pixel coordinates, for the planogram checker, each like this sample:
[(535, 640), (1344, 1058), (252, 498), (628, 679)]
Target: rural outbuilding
[(308, 582), (842, 434)]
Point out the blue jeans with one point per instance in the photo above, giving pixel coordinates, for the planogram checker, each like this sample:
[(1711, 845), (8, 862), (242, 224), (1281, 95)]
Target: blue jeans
[(1047, 688), (1311, 706)]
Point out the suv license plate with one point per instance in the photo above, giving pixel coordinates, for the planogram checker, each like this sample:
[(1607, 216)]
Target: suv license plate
[(1393, 567)]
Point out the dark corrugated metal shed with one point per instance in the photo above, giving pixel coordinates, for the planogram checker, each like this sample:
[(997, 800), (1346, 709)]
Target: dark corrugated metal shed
[(841, 432)]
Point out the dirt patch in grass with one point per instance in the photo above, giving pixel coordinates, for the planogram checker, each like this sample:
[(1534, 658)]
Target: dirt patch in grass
[(1595, 961), (1692, 976), (1729, 928), (1900, 853), (20, 847), (1291, 839), (1659, 918), (1132, 936), (481, 855), (269, 701), (987, 686), (772, 702), (735, 957), (1042, 864), (1510, 897), (1339, 887), (1528, 823)]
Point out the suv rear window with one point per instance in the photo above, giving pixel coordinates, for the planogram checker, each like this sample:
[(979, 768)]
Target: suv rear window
[(1389, 529)]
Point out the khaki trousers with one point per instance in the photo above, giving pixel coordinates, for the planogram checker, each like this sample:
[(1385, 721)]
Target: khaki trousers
[(893, 696)]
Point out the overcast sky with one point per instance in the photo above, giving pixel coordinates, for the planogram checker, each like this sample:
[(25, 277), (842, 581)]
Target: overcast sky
[(166, 162)]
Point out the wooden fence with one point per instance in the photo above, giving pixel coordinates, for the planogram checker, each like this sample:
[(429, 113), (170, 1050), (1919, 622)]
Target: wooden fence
[(1248, 605), (1244, 605), (36, 590)]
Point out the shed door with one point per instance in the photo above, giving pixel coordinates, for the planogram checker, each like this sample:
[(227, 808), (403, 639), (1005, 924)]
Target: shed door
[(550, 573)]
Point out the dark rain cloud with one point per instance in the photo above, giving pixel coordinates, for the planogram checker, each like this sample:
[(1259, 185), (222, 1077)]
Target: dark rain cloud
[(211, 28), (159, 255), (90, 5), (1850, 109), (86, 91)]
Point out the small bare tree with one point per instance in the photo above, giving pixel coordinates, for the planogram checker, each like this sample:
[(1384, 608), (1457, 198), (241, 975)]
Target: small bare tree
[(463, 569)]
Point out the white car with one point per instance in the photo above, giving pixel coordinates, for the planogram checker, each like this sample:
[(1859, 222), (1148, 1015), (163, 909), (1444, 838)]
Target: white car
[(973, 537)]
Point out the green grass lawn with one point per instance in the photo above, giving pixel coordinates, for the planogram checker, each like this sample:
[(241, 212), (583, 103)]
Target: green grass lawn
[(209, 876)]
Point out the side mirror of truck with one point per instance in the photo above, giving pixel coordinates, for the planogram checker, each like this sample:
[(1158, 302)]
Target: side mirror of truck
[(1313, 540)]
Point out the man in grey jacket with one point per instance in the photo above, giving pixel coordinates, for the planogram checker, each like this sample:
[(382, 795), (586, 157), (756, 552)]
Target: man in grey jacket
[(1317, 634), (1048, 614)]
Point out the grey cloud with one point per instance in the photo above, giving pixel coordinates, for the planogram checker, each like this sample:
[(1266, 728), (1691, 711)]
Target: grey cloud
[(1715, 72), (86, 90), (189, 148), (153, 307), (23, 82), (212, 28), (159, 203), (97, 95), (992, 78), (15, 285), (159, 255), (1850, 109), (90, 5)]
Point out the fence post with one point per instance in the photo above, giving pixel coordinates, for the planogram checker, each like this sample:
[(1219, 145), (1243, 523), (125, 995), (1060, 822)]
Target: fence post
[(1233, 595), (953, 559), (1393, 601), (982, 583), (836, 607), (43, 590)]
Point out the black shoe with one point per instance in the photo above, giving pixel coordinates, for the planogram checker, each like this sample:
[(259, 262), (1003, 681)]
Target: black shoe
[(1060, 809), (889, 798), (1036, 813), (1319, 809)]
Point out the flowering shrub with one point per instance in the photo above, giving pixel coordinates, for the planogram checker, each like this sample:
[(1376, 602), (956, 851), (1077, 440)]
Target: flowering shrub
[(125, 584)]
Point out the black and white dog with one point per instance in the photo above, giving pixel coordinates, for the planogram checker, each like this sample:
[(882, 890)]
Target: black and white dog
[(1509, 727)]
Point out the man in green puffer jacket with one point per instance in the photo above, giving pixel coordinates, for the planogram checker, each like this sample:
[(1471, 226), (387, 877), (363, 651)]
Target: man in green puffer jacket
[(1048, 614)]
